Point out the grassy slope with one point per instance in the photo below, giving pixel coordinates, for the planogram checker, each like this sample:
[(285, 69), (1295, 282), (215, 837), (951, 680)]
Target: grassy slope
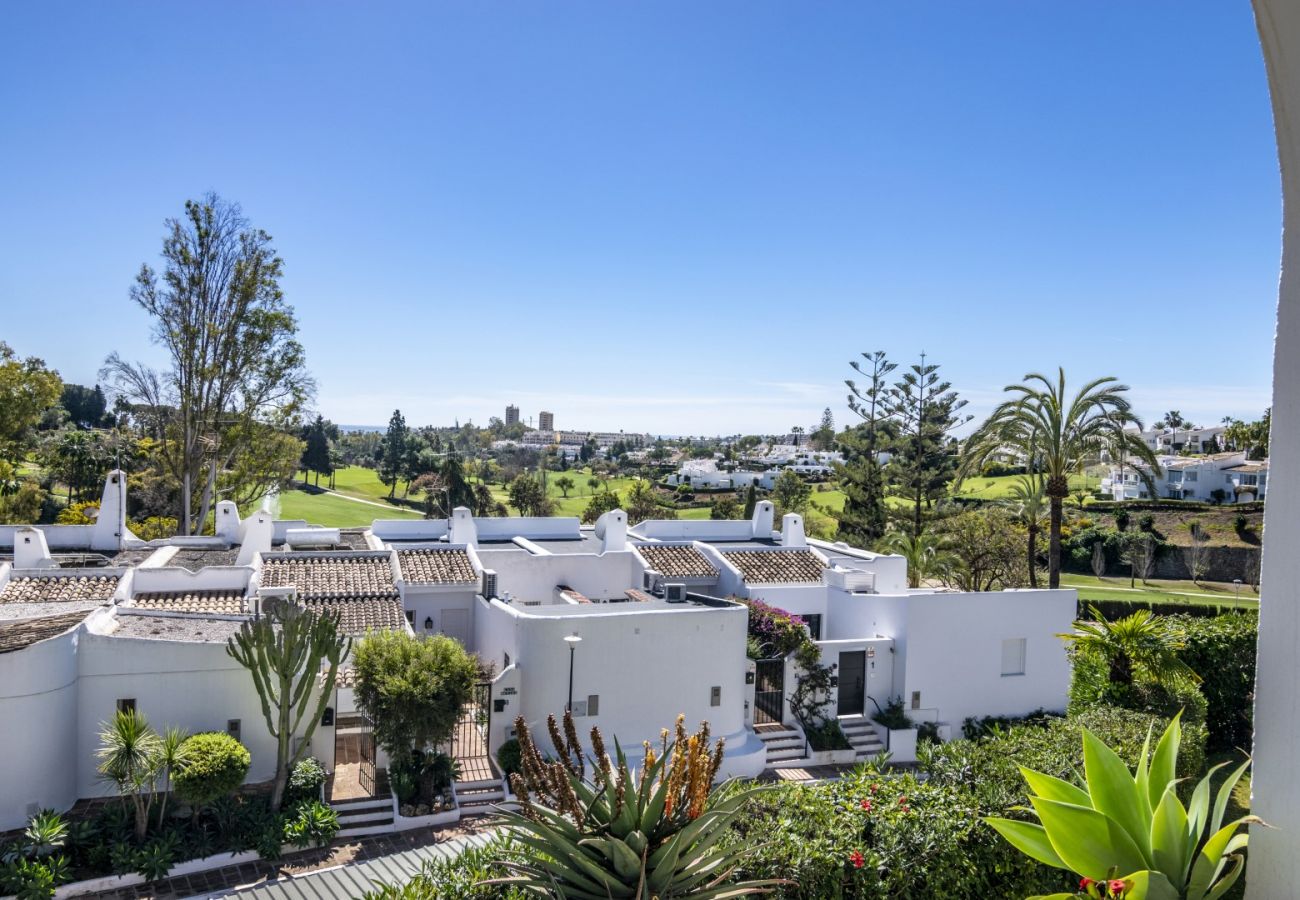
[(1160, 591), (335, 512)]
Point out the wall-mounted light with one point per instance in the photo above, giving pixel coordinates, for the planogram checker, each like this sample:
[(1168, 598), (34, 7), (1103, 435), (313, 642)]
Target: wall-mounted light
[(428, 623)]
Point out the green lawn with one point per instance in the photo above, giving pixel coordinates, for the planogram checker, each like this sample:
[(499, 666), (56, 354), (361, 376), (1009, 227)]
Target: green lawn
[(335, 512), (1159, 591), (357, 481), (1000, 488)]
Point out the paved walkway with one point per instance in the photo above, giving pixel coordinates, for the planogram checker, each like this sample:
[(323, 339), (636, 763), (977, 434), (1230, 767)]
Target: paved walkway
[(379, 857)]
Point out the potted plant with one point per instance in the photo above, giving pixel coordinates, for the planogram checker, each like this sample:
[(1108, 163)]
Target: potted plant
[(901, 731)]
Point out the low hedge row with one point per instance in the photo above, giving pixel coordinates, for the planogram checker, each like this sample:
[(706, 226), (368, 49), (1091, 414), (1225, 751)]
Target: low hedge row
[(1118, 609)]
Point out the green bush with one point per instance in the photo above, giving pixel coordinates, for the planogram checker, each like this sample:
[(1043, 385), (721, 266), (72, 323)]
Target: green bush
[(1118, 609), (509, 758), (459, 877), (305, 781), (1090, 686), (827, 735), (1222, 651), (214, 765), (311, 824)]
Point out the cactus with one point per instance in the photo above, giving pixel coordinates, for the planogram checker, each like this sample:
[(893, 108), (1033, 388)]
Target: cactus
[(641, 834)]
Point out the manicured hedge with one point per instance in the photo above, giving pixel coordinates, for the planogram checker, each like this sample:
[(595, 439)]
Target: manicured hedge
[(214, 766), (1118, 609), (922, 836), (1222, 651)]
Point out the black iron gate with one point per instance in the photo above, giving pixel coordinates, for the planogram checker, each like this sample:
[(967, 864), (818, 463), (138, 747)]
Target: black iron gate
[(366, 767), (769, 690), (470, 739)]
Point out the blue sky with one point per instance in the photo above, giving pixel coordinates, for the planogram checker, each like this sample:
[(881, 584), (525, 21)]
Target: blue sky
[(675, 217)]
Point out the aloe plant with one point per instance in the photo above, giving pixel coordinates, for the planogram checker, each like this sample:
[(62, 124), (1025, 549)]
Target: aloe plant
[(1127, 834), (649, 833)]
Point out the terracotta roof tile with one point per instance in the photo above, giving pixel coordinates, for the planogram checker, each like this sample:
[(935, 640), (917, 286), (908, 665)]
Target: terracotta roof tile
[(437, 566), (24, 634), (52, 588), (220, 602), (677, 560), (357, 615), (776, 566), (326, 576)]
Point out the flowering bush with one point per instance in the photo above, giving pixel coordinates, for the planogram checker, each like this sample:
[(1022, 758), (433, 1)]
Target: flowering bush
[(778, 631)]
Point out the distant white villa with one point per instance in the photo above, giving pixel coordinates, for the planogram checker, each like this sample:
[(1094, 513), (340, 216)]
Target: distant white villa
[(93, 620), (1220, 477)]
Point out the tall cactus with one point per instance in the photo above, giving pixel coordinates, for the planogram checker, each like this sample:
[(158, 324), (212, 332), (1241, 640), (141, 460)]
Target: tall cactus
[(284, 650)]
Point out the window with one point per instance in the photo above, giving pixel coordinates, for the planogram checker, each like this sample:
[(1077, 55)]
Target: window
[(126, 705), (1013, 656), (814, 623), (1190, 476), (715, 696), (233, 728), (506, 660), (410, 617)]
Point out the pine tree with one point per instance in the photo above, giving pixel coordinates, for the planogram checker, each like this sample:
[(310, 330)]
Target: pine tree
[(751, 500), (862, 521), (392, 463)]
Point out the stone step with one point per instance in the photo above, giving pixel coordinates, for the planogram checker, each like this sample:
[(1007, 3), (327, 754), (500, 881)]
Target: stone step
[(766, 736), (784, 743), (477, 785), (782, 755), (364, 830), (342, 807), (367, 817)]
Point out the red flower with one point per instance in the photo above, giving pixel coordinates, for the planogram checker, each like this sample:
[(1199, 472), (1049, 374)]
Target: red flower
[(1085, 883), (857, 859), (1117, 887), (866, 804), (902, 799), (905, 808)]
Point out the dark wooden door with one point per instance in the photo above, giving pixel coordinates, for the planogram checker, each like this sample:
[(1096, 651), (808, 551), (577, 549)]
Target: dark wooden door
[(769, 690), (853, 683)]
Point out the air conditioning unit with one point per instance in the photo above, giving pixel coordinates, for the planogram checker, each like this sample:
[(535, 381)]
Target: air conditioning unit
[(675, 593), (489, 589)]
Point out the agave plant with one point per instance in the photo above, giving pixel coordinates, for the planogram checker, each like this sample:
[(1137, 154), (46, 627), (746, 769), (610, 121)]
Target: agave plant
[(1127, 834), (640, 834)]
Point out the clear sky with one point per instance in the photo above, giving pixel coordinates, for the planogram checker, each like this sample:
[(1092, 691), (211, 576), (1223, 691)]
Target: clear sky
[(676, 217)]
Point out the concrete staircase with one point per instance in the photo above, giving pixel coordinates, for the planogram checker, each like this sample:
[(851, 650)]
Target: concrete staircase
[(477, 798), (785, 745), (862, 735), (364, 815)]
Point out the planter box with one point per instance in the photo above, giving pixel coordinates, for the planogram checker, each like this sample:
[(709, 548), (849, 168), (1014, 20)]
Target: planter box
[(189, 867), (406, 823), (831, 757), (902, 745)]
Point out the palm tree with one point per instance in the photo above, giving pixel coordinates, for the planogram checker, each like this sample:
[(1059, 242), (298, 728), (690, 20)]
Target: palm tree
[(130, 759), (172, 754), (1057, 434), (927, 554), (1141, 644), (1029, 507)]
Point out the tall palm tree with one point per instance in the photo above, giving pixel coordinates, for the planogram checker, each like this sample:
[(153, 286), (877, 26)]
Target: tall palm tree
[(172, 755), (1029, 507), (1057, 433), (927, 554), (1141, 644), (130, 758)]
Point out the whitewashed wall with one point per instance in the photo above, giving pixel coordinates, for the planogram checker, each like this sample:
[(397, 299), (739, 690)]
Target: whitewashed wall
[(529, 577)]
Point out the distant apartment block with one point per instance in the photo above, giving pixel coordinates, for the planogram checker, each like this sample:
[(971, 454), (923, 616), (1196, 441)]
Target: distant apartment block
[(546, 421), (512, 415), (1191, 478)]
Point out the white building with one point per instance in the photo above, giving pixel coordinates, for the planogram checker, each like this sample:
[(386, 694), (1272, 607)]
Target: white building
[(1177, 440), (704, 474), (629, 628), (1221, 477)]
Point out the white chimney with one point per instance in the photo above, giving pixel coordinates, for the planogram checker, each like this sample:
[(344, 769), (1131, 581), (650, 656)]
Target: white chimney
[(31, 550), (612, 529), (792, 531), (258, 532), (110, 525), (762, 521), (463, 528), (228, 522)]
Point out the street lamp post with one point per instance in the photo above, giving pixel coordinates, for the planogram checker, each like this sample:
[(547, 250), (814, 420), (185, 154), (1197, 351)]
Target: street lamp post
[(573, 641)]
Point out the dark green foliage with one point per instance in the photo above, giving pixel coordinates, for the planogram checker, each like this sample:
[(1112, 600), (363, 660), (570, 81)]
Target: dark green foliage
[(305, 781), (1117, 609), (311, 824), (1122, 519), (826, 735), (1222, 651), (508, 758), (1090, 687), (215, 764), (600, 503), (460, 877), (1147, 522), (893, 716), (992, 726)]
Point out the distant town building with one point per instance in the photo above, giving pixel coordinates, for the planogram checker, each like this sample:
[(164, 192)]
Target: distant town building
[(546, 421), (512, 415), (1225, 477)]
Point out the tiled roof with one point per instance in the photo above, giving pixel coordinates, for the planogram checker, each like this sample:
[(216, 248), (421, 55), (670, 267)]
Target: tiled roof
[(24, 634), (357, 615), (570, 594), (330, 576), (437, 566), (1249, 467), (52, 588), (221, 602), (677, 561), (637, 596), (776, 566)]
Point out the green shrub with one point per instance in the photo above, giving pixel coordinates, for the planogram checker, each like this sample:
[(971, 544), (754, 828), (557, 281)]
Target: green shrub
[(305, 781), (1222, 651), (311, 824), (459, 877), (1090, 686), (893, 716), (1118, 609), (509, 758), (214, 765), (778, 632), (827, 735)]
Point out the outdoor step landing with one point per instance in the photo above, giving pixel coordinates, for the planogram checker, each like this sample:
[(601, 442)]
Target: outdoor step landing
[(363, 830), (368, 817), (477, 784)]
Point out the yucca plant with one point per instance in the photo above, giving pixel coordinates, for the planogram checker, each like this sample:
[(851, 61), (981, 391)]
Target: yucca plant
[(625, 833), (1127, 834)]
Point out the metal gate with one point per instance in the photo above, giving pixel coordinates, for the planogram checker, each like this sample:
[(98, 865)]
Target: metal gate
[(769, 690), (470, 739), (366, 768)]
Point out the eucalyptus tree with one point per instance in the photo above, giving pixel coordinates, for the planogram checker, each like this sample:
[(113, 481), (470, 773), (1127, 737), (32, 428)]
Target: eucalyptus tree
[(236, 366), (293, 655), (1057, 432)]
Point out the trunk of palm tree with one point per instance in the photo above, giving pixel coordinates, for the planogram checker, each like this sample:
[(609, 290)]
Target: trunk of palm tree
[(1032, 553), (1058, 488)]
